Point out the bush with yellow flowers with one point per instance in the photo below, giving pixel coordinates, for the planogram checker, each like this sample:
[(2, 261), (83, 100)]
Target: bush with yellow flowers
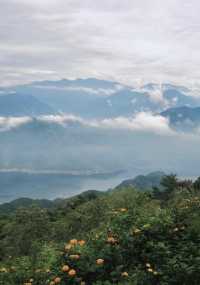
[(141, 241)]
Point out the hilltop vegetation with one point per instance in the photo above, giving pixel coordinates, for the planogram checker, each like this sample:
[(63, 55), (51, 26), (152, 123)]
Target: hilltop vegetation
[(119, 237)]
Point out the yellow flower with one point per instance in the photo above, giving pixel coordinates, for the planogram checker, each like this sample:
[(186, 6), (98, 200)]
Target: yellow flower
[(136, 231), (73, 242), (74, 256), (111, 240), (68, 247), (12, 268), (123, 210), (72, 272), (65, 268), (81, 242), (175, 230), (124, 274), (100, 261), (57, 280), (3, 270)]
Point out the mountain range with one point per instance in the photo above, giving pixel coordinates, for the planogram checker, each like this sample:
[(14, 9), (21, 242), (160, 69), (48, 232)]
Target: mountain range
[(91, 98), (140, 182), (92, 126)]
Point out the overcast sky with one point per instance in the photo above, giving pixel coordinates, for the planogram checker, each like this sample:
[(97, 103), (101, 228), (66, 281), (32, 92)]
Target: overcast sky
[(132, 41)]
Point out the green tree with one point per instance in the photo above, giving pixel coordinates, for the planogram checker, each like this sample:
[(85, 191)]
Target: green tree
[(196, 184)]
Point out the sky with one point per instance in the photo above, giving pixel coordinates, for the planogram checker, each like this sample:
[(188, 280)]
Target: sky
[(129, 41)]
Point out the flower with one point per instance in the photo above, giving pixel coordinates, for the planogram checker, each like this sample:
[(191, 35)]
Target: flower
[(73, 242), (175, 230), (111, 240), (57, 280), (123, 210), (148, 265), (124, 274), (3, 270), (81, 242), (74, 256), (65, 268), (72, 272), (155, 273), (136, 231), (150, 269), (68, 247), (100, 261)]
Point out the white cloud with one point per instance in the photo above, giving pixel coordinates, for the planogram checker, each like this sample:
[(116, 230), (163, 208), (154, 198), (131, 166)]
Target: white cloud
[(88, 90), (126, 41), (142, 122), (8, 123)]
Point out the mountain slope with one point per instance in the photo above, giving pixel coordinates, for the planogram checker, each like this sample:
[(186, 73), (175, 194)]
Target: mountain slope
[(183, 117), (144, 181), (102, 99), (22, 105)]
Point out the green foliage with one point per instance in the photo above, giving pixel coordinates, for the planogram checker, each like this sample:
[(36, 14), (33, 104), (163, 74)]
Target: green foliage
[(124, 237)]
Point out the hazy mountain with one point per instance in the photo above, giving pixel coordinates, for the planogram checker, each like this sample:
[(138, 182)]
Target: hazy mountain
[(144, 181), (23, 105), (12, 206), (99, 98), (183, 117), (49, 184), (82, 146)]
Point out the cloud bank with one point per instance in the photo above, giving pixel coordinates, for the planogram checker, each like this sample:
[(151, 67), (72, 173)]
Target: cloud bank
[(127, 41), (142, 122)]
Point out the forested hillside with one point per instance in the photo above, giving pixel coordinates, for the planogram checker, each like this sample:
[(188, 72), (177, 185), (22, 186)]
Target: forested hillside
[(124, 236)]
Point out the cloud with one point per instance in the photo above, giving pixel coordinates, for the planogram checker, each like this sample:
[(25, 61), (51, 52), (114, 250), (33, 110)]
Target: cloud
[(155, 93), (8, 123), (88, 90), (142, 122), (127, 41)]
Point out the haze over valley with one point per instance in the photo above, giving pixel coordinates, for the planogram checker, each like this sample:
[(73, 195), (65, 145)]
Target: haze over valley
[(58, 138)]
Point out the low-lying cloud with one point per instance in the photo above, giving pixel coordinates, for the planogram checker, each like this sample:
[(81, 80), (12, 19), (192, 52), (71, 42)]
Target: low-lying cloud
[(88, 90), (141, 122), (8, 123)]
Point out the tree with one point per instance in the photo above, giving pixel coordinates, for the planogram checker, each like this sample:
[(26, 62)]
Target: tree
[(169, 183), (196, 184)]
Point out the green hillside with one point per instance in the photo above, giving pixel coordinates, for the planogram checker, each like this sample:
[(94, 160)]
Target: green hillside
[(124, 236)]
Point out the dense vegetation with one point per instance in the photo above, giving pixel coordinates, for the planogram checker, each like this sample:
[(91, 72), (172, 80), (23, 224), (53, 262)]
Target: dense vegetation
[(124, 236)]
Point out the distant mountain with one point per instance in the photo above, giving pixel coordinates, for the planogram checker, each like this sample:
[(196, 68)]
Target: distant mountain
[(51, 185), (183, 117), (99, 98), (24, 202), (23, 105), (14, 205), (144, 181)]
